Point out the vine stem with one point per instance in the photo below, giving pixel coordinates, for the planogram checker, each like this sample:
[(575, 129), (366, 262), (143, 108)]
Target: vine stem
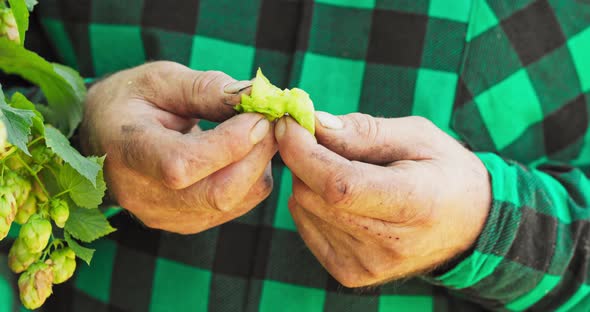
[(34, 175), (34, 141), (61, 193)]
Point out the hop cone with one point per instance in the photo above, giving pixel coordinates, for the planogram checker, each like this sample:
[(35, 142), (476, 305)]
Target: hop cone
[(19, 256), (41, 155), (35, 233), (7, 210), (19, 186), (38, 192), (8, 26), (64, 264), (35, 285), (3, 137), (59, 212), (25, 211)]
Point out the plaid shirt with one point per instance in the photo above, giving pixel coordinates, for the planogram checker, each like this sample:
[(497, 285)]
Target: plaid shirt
[(509, 78)]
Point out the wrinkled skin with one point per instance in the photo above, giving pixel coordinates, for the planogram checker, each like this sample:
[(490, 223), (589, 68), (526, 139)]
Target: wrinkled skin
[(381, 199), (160, 165)]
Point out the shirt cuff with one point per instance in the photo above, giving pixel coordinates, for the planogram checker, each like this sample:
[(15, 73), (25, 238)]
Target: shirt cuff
[(497, 236)]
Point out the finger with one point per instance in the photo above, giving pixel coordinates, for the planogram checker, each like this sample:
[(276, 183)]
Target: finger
[(335, 256), (189, 93), (383, 219), (317, 166), (377, 140), (311, 235), (180, 160), (353, 223), (228, 187), (184, 212)]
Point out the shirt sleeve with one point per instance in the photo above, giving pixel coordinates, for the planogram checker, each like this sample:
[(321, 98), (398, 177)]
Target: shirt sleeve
[(534, 250)]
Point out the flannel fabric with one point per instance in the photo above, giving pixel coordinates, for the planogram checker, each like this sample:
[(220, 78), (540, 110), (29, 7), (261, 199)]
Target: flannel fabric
[(509, 78)]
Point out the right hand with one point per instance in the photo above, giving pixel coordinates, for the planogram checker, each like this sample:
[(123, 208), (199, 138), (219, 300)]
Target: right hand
[(160, 165)]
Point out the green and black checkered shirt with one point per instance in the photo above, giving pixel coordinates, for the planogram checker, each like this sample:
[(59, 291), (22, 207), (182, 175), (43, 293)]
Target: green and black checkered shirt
[(509, 78)]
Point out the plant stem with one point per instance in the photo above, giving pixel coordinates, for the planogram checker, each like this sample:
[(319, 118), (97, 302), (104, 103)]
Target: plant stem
[(34, 175)]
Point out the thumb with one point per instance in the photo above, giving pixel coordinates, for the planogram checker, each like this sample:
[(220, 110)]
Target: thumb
[(375, 140), (189, 93)]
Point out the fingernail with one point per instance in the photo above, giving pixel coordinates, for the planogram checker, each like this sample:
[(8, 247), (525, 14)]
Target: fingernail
[(259, 131), (329, 121), (237, 86), (280, 128)]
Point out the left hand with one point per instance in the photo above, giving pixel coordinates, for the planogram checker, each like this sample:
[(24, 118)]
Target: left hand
[(380, 199)]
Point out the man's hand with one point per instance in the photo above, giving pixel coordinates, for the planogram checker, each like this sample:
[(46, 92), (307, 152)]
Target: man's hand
[(381, 199), (160, 165)]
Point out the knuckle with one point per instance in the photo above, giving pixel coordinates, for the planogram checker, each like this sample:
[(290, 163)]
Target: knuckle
[(340, 190), (264, 187), (366, 126), (206, 80), (173, 172), (421, 122), (217, 198)]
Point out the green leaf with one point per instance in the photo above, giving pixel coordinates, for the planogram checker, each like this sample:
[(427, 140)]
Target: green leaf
[(59, 144), (18, 100), (80, 251), (62, 87), (82, 192), (87, 225), (21, 16), (31, 4), (18, 123)]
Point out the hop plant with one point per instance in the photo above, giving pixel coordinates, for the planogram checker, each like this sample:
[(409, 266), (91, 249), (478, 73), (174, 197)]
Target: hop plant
[(59, 212), (7, 210), (37, 191), (35, 285), (64, 264), (28, 208), (20, 258), (8, 27), (35, 233), (41, 155), (3, 136), (19, 186)]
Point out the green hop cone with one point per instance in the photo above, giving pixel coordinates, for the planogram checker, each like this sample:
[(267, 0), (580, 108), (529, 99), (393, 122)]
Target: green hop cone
[(8, 27), (38, 192), (41, 155), (59, 212), (7, 210), (64, 264), (35, 233), (19, 256), (20, 187), (25, 211), (3, 136), (35, 285), (273, 103)]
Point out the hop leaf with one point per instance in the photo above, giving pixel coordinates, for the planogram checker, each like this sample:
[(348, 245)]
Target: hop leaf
[(35, 285), (25, 211), (7, 210), (64, 264), (35, 233), (59, 212), (19, 256)]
